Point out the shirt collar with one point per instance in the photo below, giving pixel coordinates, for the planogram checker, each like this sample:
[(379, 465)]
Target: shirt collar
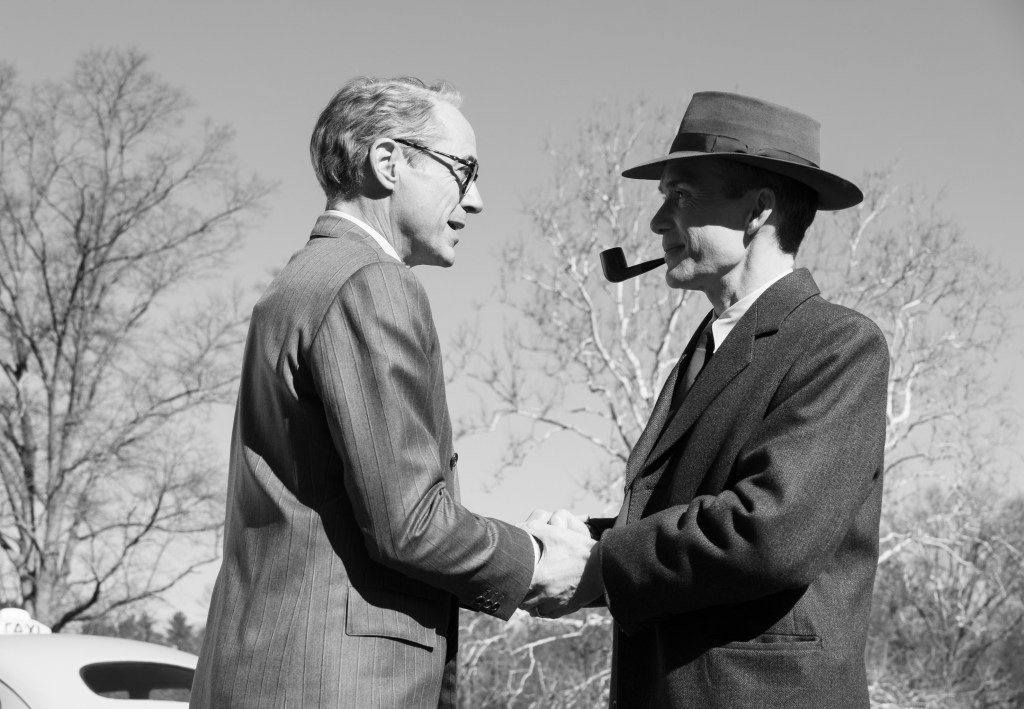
[(723, 325), (376, 235)]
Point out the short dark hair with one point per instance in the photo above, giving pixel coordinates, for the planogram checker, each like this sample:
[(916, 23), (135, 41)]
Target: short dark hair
[(363, 110), (796, 204)]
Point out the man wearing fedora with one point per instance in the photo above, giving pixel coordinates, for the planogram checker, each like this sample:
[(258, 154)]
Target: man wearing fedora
[(739, 570)]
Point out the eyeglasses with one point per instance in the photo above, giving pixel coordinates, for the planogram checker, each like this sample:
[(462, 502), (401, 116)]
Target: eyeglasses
[(466, 180)]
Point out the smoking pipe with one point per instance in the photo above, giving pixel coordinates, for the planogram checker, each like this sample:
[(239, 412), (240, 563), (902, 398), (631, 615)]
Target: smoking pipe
[(613, 261)]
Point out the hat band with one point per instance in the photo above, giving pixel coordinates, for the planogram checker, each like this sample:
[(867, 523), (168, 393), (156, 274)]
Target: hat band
[(712, 143)]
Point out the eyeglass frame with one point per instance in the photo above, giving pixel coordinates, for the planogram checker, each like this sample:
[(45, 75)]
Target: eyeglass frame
[(471, 163)]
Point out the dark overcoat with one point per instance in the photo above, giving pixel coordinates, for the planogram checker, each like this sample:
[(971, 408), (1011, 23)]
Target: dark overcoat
[(740, 570)]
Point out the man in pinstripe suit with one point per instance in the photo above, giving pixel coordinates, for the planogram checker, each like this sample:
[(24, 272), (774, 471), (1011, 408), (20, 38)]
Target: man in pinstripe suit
[(346, 552)]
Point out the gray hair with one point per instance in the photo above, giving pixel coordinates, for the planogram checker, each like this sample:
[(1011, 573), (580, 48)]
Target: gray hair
[(363, 110)]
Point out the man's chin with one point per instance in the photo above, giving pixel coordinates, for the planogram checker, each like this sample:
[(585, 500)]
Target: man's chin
[(447, 259), (676, 280), (443, 261)]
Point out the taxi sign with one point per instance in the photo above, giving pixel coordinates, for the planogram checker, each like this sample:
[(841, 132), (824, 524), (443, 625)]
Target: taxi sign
[(15, 621)]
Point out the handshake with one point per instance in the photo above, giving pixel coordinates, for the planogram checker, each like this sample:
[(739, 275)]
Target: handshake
[(567, 576)]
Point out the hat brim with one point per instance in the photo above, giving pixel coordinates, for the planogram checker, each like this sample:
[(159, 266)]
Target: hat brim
[(833, 192)]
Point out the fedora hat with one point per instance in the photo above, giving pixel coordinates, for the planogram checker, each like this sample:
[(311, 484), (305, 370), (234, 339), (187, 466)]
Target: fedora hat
[(758, 133)]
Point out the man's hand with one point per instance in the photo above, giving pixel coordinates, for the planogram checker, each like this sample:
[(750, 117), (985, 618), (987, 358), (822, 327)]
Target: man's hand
[(568, 575)]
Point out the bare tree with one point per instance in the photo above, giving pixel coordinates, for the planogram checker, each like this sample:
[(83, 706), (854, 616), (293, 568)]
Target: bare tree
[(585, 358), (528, 665), (112, 205), (945, 310), (949, 608)]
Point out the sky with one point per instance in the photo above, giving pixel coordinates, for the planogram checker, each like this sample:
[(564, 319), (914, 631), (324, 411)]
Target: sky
[(934, 86)]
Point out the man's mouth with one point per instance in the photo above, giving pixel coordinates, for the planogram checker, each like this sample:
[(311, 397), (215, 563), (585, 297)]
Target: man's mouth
[(454, 225)]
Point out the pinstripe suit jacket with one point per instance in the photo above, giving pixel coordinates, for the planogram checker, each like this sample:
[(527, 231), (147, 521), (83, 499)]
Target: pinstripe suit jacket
[(346, 551), (740, 572)]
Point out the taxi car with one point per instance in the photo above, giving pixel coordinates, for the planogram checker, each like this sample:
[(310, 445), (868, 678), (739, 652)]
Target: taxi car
[(57, 671)]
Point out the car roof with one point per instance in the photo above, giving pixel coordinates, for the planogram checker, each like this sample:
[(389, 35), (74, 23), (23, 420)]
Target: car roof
[(42, 668)]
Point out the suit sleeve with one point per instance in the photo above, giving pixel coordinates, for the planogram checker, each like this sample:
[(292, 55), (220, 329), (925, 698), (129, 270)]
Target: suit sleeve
[(376, 365), (796, 487)]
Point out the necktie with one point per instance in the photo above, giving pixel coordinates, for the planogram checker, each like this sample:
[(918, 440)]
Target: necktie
[(701, 356), (678, 383)]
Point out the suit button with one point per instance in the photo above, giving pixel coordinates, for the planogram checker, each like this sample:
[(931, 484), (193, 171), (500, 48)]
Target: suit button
[(454, 461)]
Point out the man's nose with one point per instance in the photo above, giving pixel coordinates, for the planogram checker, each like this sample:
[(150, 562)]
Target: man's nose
[(660, 223), (472, 202)]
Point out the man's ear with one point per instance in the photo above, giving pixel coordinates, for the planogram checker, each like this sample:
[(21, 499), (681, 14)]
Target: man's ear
[(383, 158), (761, 211)]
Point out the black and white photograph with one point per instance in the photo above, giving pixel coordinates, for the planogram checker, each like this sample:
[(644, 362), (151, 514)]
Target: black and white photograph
[(546, 355)]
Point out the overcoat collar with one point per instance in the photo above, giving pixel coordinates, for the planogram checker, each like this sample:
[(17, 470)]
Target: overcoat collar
[(763, 318)]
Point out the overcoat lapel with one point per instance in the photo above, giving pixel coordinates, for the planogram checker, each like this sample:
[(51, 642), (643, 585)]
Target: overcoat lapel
[(763, 318), (660, 413)]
